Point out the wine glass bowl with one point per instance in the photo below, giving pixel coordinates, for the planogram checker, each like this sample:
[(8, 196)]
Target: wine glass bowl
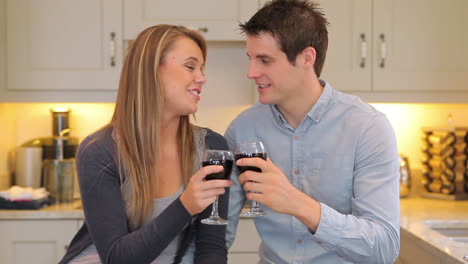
[(252, 149), (223, 158)]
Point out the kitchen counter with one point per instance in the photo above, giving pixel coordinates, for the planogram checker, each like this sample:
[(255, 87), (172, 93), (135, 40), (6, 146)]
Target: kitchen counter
[(414, 211), (72, 210), (56, 211)]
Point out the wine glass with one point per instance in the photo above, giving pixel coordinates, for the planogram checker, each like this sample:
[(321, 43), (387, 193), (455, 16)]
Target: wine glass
[(225, 159), (252, 149)]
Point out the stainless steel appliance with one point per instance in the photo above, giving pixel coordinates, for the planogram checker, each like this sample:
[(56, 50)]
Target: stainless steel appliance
[(60, 145), (28, 167), (56, 161), (405, 176)]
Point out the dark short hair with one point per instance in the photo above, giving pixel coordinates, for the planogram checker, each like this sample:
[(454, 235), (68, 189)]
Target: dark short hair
[(295, 24)]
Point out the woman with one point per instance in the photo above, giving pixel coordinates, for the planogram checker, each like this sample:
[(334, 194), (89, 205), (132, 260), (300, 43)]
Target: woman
[(142, 187)]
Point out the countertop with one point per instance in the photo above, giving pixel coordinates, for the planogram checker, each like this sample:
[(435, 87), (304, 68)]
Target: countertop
[(56, 211), (73, 210), (414, 211)]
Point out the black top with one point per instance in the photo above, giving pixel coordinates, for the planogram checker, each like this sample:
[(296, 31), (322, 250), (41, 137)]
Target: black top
[(107, 224)]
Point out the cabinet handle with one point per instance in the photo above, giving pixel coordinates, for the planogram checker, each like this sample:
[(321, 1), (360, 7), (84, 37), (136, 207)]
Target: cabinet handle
[(363, 50), (112, 45), (383, 50)]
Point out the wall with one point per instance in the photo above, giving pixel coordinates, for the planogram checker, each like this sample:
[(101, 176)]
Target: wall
[(22, 122), (408, 119), (6, 134)]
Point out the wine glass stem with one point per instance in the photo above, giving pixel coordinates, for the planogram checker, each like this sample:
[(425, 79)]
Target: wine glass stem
[(214, 211), (254, 206)]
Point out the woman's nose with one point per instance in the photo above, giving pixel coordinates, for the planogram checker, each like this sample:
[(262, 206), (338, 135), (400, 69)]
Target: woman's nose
[(201, 78)]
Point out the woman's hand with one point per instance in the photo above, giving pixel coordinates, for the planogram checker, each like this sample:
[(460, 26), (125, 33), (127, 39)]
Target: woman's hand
[(200, 193)]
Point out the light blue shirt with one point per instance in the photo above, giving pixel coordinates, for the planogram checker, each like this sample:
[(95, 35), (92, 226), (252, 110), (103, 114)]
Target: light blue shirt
[(343, 155)]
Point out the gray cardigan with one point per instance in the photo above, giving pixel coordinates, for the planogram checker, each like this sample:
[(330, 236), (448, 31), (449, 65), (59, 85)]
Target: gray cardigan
[(106, 220)]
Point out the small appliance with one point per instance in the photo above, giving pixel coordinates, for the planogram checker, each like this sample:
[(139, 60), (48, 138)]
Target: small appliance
[(50, 161), (405, 176)]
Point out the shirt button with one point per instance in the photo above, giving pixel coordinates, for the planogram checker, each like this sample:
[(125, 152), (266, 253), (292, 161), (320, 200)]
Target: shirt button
[(316, 117), (299, 241), (297, 172), (297, 137)]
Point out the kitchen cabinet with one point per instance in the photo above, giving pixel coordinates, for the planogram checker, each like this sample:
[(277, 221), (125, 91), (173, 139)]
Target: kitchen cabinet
[(45, 241), (60, 51), (246, 244), (350, 37), (381, 50), (59, 45), (399, 47), (217, 20), (35, 241)]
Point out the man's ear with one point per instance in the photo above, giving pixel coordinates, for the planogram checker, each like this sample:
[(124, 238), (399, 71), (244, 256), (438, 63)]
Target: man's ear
[(309, 55)]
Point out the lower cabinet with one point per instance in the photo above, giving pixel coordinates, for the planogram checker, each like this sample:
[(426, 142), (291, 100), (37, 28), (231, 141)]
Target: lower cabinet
[(45, 241), (245, 247), (35, 241)]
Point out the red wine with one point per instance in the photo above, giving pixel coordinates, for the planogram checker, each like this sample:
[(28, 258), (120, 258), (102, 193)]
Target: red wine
[(222, 175), (242, 169)]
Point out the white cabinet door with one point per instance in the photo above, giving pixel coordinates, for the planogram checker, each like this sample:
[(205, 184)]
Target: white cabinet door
[(215, 19), (63, 45), (35, 241), (425, 44), (348, 65)]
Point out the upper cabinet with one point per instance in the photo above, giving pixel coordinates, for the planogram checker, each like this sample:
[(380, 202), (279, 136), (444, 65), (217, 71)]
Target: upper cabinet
[(420, 45), (382, 50), (398, 46), (217, 20), (63, 45), (348, 63)]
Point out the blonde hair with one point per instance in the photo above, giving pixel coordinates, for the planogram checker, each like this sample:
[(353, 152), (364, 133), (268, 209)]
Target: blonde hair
[(137, 117)]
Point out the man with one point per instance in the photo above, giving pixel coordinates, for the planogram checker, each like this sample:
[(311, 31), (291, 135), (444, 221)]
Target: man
[(330, 184)]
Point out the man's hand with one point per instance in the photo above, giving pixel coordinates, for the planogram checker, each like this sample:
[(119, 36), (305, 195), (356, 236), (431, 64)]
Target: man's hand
[(274, 190)]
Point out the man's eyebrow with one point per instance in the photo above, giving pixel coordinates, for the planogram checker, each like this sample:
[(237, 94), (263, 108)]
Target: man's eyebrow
[(261, 56)]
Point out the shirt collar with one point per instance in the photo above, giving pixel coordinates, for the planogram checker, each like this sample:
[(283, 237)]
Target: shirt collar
[(316, 112), (319, 108), (277, 114)]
